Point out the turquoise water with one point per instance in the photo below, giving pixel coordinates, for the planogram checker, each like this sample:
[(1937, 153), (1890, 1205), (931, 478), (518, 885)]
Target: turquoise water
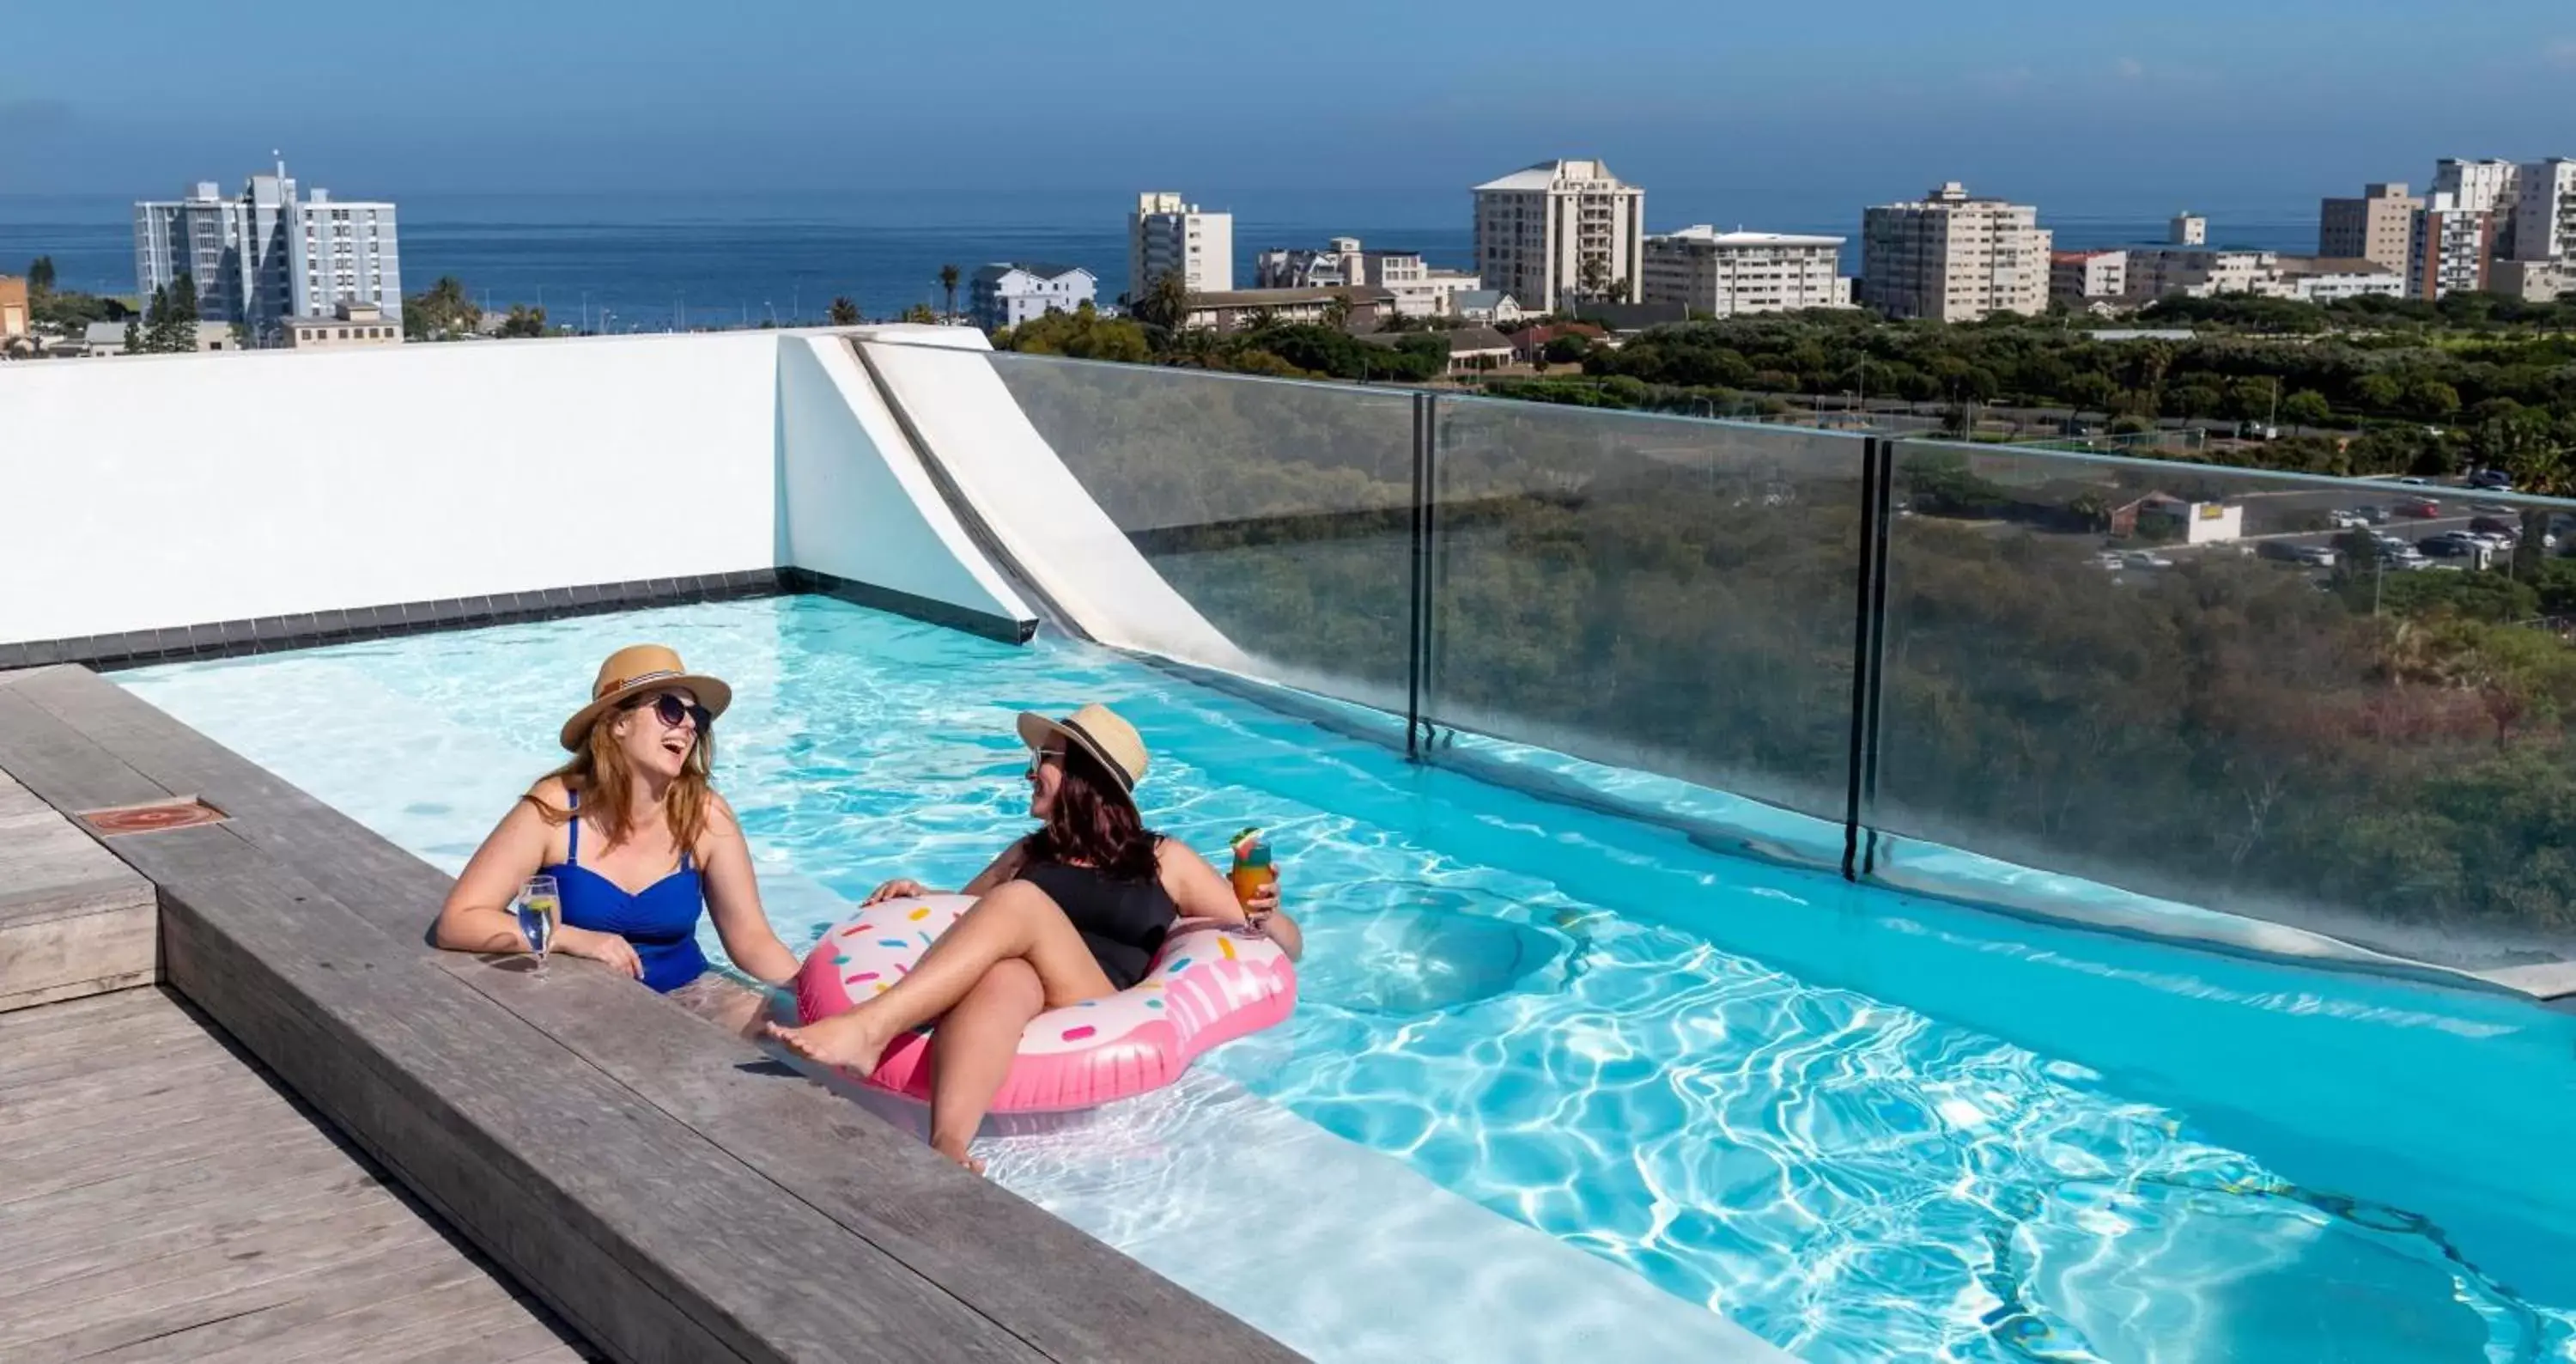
[(1859, 1125)]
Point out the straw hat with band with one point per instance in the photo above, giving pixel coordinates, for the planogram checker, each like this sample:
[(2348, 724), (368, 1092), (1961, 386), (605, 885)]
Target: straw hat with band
[(641, 670), (1098, 731)]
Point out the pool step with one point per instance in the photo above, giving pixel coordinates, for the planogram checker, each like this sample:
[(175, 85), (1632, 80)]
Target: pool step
[(74, 920)]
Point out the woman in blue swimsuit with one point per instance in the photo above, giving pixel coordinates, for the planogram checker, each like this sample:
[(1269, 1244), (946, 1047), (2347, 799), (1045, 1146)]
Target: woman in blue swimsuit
[(638, 843)]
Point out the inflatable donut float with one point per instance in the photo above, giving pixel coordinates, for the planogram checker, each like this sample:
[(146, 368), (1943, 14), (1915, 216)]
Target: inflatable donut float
[(1206, 987)]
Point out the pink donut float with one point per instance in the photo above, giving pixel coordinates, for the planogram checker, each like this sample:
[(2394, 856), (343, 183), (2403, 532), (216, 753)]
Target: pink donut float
[(1207, 986)]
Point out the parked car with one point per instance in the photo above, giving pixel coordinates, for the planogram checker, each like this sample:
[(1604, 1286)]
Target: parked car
[(2412, 481), (2315, 556), (2405, 558), (2444, 547), (2492, 480), (2277, 549), (2372, 513), (2421, 506), (2345, 520), (2141, 558), (2495, 525)]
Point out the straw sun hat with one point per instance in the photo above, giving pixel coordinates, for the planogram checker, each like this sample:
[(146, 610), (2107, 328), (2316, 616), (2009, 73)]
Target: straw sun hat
[(645, 668), (1100, 732)]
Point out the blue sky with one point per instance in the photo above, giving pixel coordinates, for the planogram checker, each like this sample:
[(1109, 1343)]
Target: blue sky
[(1717, 107)]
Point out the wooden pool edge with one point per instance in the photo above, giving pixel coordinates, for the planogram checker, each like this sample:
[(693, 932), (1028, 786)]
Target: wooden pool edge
[(670, 1190)]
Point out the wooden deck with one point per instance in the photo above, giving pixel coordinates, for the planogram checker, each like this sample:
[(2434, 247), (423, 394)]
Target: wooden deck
[(164, 1200)]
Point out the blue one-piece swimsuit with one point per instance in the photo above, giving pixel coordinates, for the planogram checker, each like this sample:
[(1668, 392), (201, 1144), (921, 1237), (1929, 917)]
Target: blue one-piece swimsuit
[(660, 921)]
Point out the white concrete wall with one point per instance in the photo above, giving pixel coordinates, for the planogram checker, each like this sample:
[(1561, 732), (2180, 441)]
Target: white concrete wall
[(856, 501), (149, 492), (176, 490)]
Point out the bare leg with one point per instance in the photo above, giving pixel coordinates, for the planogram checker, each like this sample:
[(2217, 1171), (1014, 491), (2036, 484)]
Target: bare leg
[(1018, 920), (971, 1053), (725, 1002)]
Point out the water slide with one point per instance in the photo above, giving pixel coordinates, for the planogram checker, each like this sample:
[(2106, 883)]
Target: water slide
[(1023, 506)]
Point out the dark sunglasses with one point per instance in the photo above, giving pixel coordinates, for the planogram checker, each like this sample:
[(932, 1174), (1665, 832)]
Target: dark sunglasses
[(671, 710)]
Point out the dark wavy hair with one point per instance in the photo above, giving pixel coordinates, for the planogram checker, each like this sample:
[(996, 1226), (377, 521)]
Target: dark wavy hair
[(1094, 824)]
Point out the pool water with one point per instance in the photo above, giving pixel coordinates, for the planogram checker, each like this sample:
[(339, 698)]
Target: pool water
[(1857, 1125)]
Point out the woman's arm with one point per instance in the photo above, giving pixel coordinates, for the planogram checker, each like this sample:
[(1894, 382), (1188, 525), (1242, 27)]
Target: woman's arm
[(477, 916), (1004, 870), (733, 899), (1202, 892)]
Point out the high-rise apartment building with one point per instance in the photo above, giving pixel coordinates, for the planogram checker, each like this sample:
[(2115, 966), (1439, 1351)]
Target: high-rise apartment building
[(1168, 236), (1954, 257), (2490, 186), (266, 256), (2187, 229), (2544, 213), (2376, 227), (1724, 274), (2452, 246), (1561, 231)]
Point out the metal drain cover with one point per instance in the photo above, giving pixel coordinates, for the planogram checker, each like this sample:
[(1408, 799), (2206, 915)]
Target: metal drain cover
[(185, 813)]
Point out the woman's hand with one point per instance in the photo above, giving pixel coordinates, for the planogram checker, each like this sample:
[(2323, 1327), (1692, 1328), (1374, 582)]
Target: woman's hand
[(607, 948), (895, 889), (1263, 904)]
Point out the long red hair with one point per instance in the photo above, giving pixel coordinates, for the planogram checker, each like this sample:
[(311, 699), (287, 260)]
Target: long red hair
[(600, 775)]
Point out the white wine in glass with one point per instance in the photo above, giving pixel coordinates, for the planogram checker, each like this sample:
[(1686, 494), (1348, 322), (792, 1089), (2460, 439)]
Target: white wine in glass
[(540, 912)]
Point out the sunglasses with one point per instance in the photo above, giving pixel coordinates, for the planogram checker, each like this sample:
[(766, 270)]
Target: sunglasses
[(671, 710)]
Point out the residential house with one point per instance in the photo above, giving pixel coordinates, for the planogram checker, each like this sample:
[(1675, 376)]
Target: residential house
[(1006, 294), (1490, 306)]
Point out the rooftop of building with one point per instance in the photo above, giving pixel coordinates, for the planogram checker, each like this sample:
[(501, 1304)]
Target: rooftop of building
[(1041, 269), (1273, 298), (1705, 232), (1547, 174), (2335, 265)]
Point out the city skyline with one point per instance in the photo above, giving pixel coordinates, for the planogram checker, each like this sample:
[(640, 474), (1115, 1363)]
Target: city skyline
[(2085, 114)]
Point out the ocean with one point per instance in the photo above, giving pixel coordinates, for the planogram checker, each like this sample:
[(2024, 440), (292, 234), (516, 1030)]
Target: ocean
[(620, 262)]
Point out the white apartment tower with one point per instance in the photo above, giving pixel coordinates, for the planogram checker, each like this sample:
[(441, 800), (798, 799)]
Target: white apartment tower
[(1954, 257), (1168, 236), (1561, 231), (2490, 186), (2452, 246), (1724, 274), (2544, 214), (264, 257)]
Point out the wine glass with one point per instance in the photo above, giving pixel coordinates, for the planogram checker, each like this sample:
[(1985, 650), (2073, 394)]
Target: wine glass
[(540, 912)]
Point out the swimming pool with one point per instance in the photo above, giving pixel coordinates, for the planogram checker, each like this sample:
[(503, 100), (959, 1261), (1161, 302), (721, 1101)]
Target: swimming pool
[(1857, 1125)]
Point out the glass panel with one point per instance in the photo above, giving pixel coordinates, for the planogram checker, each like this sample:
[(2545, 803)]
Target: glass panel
[(1281, 511), (2307, 700), (1656, 592)]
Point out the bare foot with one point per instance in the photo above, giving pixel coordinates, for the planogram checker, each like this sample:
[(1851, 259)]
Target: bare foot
[(844, 1040), (956, 1151)]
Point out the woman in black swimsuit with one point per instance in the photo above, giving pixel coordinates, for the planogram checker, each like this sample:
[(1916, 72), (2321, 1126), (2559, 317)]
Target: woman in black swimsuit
[(1074, 911)]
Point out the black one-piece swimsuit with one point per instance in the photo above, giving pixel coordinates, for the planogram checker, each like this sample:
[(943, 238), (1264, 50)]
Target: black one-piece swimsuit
[(1123, 922)]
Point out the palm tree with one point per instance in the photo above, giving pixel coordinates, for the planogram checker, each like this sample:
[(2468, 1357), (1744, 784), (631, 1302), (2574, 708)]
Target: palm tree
[(948, 281), (844, 312), (1165, 302)]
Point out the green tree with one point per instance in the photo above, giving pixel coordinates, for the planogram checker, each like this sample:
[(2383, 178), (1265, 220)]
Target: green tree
[(1595, 277), (2306, 408), (135, 343), (40, 276), (1165, 302), (948, 281), (919, 312), (442, 313), (2430, 398), (844, 312), (523, 321)]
